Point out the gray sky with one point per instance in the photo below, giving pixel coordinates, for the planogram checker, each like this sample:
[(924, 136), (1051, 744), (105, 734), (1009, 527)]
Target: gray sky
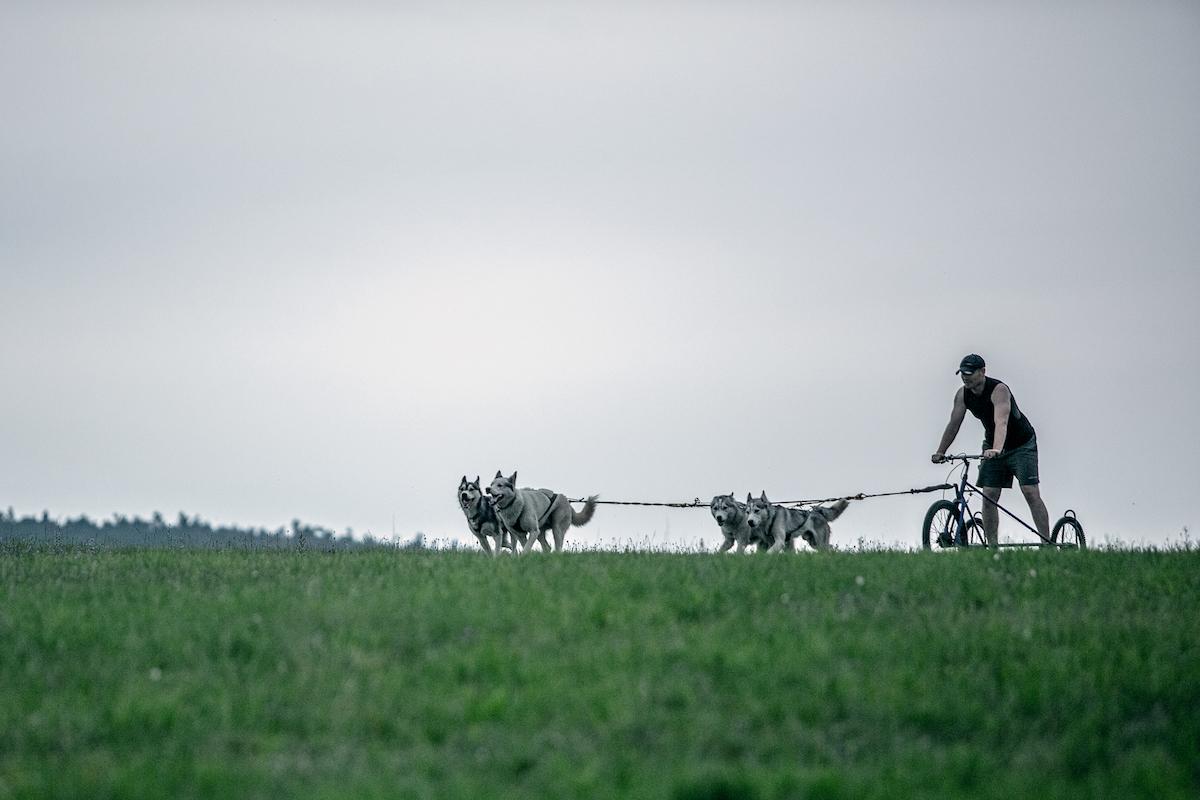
[(319, 260)]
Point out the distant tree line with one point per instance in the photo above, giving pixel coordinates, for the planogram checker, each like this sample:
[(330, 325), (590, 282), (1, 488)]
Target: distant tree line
[(123, 531)]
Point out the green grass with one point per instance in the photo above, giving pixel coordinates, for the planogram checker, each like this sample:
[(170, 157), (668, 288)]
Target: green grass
[(162, 673)]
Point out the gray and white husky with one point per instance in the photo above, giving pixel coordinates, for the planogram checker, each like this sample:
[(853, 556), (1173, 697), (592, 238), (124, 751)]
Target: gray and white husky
[(528, 513), (780, 525), (731, 516), (481, 516)]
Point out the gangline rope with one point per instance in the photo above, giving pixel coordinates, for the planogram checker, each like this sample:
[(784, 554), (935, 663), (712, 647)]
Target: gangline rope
[(698, 503)]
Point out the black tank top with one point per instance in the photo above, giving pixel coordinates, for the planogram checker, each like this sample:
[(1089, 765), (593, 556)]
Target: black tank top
[(1020, 430)]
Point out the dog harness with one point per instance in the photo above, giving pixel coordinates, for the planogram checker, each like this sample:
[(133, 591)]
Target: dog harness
[(788, 534), (553, 496)]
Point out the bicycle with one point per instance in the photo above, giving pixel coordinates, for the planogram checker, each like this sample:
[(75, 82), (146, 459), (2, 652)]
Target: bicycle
[(951, 523)]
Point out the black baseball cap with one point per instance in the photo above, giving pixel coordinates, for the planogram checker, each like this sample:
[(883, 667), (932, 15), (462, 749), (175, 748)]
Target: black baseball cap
[(969, 364)]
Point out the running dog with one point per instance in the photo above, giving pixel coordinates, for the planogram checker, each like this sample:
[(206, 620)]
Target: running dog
[(528, 513), (779, 525), (731, 516), (481, 516)]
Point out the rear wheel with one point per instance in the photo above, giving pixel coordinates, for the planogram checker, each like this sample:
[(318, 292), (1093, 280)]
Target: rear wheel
[(976, 537), (940, 528), (1067, 532)]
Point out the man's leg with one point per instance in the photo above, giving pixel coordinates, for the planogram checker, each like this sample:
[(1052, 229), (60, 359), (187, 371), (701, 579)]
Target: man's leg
[(991, 516), (1041, 518)]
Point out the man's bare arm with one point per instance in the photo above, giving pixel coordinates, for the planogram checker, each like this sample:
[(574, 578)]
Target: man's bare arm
[(957, 413), (1002, 401)]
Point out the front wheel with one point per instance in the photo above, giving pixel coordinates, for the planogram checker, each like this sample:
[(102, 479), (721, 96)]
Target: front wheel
[(1067, 532), (941, 525)]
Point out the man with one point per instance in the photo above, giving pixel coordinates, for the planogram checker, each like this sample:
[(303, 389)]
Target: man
[(1009, 443)]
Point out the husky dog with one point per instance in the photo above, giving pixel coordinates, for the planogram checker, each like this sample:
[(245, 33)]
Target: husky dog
[(731, 516), (481, 516), (778, 525), (528, 513)]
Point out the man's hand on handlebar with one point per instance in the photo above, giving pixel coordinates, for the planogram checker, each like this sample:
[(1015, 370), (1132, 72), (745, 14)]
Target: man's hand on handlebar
[(942, 458), (990, 454)]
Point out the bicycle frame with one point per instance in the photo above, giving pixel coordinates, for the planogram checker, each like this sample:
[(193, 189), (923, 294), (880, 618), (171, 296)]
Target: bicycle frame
[(961, 505)]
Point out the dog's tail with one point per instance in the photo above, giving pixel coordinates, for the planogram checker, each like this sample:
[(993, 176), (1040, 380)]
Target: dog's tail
[(832, 512), (585, 516)]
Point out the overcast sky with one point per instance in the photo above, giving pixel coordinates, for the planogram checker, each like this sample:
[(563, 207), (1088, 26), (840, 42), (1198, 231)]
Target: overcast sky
[(319, 260)]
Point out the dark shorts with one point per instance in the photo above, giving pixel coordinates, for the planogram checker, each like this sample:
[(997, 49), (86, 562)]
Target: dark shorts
[(998, 472)]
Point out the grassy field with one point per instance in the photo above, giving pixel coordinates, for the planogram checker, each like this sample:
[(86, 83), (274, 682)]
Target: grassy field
[(166, 673)]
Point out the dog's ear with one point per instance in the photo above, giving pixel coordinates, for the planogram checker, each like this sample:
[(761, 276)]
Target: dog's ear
[(463, 482), (476, 480), (764, 496), (514, 478), (499, 474), (749, 498)]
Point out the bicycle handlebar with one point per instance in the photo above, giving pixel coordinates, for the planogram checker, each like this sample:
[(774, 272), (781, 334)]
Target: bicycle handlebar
[(961, 457)]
